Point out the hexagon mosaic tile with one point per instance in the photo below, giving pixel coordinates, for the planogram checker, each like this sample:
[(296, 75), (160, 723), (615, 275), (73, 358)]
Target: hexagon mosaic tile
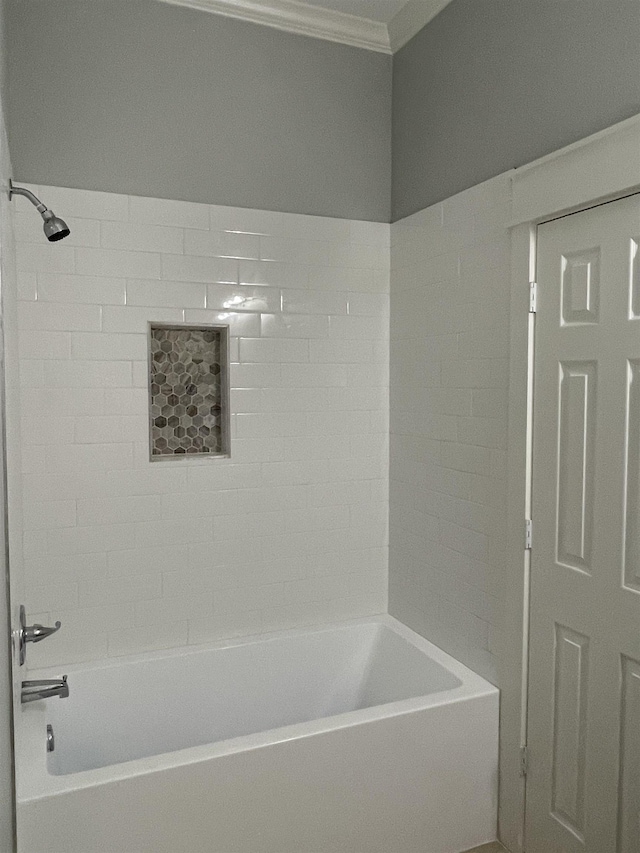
[(188, 393)]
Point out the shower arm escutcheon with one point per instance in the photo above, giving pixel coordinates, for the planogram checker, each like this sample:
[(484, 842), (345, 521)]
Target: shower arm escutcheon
[(32, 633)]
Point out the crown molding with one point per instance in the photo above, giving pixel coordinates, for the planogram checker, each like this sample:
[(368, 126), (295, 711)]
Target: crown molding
[(295, 17), (411, 19)]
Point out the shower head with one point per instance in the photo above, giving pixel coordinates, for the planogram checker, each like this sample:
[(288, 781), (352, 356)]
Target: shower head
[(54, 227)]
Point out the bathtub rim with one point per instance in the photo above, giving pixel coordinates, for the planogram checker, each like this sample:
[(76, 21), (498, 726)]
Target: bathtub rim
[(34, 781)]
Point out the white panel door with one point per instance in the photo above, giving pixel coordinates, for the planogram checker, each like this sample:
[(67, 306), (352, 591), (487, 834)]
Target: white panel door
[(583, 784)]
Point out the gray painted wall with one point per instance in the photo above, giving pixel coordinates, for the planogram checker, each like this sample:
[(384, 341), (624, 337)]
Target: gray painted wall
[(141, 97), (489, 85)]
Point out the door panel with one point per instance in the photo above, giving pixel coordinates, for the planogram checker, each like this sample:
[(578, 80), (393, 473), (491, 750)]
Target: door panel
[(631, 552), (569, 728), (629, 780), (576, 441), (583, 785)]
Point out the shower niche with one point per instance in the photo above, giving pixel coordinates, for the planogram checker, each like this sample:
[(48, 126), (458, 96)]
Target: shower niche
[(188, 391)]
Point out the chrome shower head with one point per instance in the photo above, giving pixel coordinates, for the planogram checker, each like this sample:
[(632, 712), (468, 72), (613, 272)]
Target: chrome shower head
[(54, 227)]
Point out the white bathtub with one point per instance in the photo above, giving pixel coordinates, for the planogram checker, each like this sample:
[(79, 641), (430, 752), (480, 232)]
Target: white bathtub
[(357, 738)]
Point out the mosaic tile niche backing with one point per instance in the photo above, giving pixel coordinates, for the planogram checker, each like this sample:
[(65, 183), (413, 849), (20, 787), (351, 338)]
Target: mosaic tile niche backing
[(188, 391)]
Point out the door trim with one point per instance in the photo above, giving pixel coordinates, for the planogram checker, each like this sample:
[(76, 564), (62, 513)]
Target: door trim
[(595, 170)]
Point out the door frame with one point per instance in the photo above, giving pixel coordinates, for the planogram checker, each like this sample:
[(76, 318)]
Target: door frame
[(595, 170)]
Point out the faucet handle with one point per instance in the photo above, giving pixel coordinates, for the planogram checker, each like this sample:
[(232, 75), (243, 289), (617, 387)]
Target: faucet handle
[(32, 633), (35, 633)]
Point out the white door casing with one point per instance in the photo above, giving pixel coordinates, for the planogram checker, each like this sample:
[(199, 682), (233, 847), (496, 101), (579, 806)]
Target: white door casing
[(583, 784)]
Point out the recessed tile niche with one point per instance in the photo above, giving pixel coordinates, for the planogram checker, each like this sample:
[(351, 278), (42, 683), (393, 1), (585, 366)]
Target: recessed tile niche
[(188, 391)]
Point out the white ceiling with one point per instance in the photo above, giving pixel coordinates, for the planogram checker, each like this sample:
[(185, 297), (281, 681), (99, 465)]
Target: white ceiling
[(380, 25)]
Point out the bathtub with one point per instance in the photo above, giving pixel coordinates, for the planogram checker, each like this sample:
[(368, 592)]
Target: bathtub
[(359, 738)]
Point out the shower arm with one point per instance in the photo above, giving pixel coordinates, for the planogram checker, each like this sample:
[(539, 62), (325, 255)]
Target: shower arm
[(54, 228), (35, 201)]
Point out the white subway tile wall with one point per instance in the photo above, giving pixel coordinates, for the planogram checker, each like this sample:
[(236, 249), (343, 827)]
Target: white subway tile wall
[(11, 287), (450, 270), (292, 529)]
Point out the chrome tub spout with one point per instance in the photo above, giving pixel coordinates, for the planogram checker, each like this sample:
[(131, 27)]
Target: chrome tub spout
[(44, 689)]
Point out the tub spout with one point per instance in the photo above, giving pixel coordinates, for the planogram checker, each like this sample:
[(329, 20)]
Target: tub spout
[(44, 689)]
